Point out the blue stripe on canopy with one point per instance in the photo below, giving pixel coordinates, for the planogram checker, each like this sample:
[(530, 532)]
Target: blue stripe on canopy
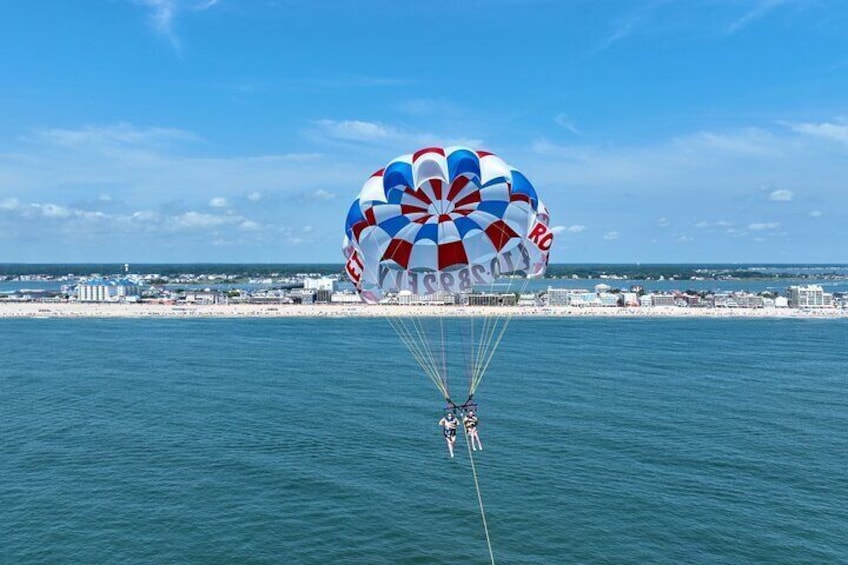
[(465, 225), (394, 224), (428, 231), (493, 207), (494, 181), (354, 215), (395, 195), (463, 161), (397, 174), (520, 185)]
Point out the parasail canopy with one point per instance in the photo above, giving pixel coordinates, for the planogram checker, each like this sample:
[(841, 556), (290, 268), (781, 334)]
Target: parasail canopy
[(444, 220)]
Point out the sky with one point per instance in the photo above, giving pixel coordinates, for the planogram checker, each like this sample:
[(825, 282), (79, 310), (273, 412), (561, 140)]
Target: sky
[(241, 130)]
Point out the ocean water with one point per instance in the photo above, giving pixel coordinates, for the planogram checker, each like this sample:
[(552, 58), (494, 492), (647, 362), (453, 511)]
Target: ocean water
[(316, 441)]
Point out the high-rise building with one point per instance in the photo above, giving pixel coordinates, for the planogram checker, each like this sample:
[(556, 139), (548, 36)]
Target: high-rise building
[(323, 283), (106, 290), (809, 296)]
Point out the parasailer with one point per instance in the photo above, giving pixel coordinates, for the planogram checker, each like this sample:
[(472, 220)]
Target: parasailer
[(449, 424), (470, 421)]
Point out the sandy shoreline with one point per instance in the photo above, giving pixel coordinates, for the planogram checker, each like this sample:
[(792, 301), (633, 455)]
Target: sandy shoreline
[(98, 310)]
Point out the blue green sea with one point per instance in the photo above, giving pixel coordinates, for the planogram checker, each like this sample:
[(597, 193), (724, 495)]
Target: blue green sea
[(301, 441)]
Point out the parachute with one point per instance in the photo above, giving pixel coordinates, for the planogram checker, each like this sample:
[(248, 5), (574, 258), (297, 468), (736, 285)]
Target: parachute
[(437, 226)]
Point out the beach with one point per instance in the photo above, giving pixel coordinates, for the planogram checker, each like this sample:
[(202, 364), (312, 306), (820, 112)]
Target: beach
[(134, 310)]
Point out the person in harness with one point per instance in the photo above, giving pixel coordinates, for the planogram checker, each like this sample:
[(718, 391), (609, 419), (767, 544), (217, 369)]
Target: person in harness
[(449, 424), (470, 421)]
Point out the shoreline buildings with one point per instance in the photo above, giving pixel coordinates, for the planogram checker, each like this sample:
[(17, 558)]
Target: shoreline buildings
[(107, 290), (809, 296), (322, 289)]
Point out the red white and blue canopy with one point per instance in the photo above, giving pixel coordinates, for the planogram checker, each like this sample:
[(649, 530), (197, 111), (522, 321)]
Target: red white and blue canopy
[(443, 220)]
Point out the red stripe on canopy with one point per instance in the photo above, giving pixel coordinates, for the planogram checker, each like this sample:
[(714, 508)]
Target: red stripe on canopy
[(500, 234), (452, 254), (399, 251)]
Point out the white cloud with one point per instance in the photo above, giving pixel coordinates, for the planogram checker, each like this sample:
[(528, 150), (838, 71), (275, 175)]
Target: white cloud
[(781, 196), (308, 229), (10, 204), (564, 121), (569, 229), (611, 235), (161, 192), (825, 130), (143, 168), (663, 222), (319, 194), (200, 220), (71, 220), (697, 162), (719, 224), (763, 226), (155, 178), (428, 107), (357, 130), (218, 202), (760, 10), (163, 13), (718, 164), (120, 134), (345, 81), (53, 210), (145, 216), (745, 142), (381, 134), (816, 214), (621, 29)]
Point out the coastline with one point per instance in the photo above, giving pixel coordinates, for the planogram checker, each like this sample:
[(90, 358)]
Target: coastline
[(122, 310)]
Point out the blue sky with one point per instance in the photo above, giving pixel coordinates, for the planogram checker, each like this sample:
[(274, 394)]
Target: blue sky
[(240, 130)]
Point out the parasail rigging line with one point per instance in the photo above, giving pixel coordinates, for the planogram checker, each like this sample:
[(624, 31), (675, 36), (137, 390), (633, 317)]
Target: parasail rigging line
[(408, 339), (423, 335), (480, 346), (479, 498), (444, 351), (485, 349), (494, 325), (491, 355), (468, 345)]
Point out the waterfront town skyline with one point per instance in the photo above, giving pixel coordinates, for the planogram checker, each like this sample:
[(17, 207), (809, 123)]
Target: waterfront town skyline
[(609, 289)]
